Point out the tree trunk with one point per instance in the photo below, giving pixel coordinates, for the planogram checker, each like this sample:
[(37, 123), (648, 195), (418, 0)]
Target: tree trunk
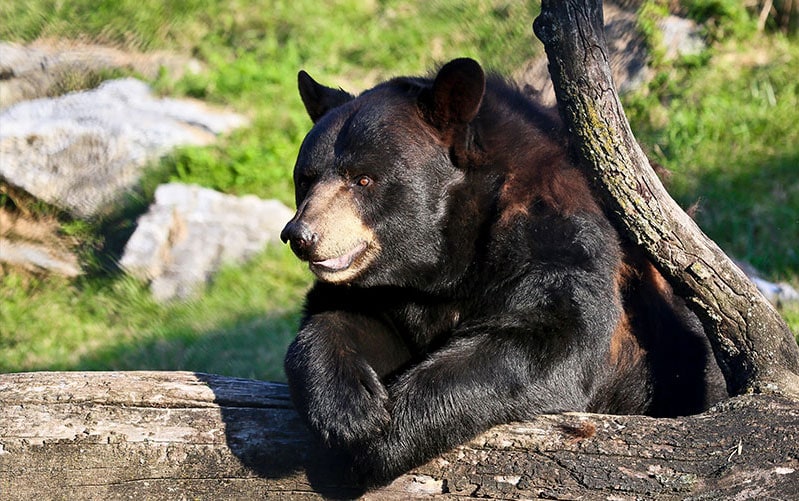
[(753, 345), (179, 435)]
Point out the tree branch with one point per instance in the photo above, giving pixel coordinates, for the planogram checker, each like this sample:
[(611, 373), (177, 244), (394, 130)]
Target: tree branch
[(753, 345)]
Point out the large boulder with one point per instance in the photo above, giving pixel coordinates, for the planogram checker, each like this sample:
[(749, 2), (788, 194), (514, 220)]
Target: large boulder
[(81, 151), (189, 232)]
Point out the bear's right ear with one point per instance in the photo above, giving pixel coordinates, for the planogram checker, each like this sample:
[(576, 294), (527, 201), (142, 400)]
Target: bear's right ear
[(317, 98)]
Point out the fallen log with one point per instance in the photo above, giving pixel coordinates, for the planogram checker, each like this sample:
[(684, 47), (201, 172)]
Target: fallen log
[(181, 435)]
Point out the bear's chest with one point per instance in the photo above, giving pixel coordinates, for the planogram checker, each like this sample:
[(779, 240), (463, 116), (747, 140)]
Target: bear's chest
[(425, 326)]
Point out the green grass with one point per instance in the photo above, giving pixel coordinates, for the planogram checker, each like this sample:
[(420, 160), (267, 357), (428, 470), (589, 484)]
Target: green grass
[(254, 59), (131, 23), (252, 50), (727, 131), (726, 128), (240, 325)]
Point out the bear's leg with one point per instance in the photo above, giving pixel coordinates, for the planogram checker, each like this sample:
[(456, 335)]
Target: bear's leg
[(334, 369), (474, 383)]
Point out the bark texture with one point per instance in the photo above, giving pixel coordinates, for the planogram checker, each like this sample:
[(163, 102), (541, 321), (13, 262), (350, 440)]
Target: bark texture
[(753, 345), (180, 435)]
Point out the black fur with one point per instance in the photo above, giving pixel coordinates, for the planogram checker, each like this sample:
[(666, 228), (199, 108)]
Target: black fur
[(500, 291)]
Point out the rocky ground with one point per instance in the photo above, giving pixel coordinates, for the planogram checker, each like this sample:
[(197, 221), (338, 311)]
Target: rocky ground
[(82, 151)]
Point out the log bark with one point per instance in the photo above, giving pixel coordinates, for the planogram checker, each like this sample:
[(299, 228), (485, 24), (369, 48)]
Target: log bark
[(751, 342), (180, 435)]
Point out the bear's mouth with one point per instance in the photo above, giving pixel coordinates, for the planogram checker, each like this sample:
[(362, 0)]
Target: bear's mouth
[(340, 263)]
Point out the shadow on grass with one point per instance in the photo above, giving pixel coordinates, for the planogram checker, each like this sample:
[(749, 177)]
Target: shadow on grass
[(252, 346)]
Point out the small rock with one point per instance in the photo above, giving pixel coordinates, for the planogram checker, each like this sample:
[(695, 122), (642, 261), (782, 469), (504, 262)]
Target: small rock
[(189, 232), (681, 37), (81, 151), (36, 257), (779, 294)]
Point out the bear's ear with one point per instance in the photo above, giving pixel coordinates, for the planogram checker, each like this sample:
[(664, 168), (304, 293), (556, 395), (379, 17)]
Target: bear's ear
[(317, 98), (456, 95)]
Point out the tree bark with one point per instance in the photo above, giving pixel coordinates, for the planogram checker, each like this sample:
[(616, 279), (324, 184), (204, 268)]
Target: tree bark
[(180, 435), (753, 345)]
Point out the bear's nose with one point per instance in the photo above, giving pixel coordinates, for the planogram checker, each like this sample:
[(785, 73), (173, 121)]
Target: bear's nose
[(300, 236)]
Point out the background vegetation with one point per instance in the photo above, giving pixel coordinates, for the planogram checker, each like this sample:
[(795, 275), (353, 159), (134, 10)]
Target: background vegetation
[(723, 122)]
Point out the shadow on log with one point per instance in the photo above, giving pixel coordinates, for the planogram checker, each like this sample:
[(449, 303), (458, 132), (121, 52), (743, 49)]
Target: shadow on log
[(180, 435)]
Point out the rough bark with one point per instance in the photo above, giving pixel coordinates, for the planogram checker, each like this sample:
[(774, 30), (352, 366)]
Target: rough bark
[(752, 344), (179, 435)]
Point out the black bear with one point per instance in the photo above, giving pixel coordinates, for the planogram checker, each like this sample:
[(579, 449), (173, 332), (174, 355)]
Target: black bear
[(467, 276)]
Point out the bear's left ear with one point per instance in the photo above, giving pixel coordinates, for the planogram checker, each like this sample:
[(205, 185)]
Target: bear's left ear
[(317, 98), (456, 95)]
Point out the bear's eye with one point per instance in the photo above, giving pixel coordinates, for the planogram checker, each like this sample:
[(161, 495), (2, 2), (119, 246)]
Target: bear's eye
[(303, 182), (363, 181)]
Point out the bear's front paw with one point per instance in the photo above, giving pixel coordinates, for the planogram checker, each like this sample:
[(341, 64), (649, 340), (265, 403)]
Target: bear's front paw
[(350, 408)]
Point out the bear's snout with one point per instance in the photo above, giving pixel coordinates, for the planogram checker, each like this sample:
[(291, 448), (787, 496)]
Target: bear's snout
[(301, 238), (327, 231)]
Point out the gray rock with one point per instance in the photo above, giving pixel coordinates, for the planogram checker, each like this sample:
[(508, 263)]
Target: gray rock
[(681, 37), (45, 68), (189, 232), (81, 151), (780, 294)]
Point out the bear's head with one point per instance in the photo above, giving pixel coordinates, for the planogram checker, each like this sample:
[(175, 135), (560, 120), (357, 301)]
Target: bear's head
[(375, 176)]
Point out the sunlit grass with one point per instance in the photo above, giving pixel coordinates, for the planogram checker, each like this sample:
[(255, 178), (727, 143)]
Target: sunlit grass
[(726, 128), (727, 131)]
